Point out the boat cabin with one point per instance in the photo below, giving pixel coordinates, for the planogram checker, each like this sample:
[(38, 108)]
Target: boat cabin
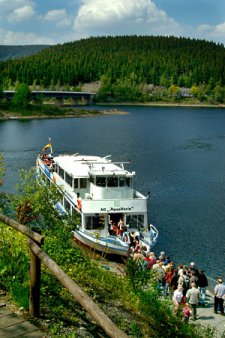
[(100, 190)]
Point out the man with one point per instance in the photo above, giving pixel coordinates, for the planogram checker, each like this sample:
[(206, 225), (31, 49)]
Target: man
[(202, 284), (219, 294), (193, 297)]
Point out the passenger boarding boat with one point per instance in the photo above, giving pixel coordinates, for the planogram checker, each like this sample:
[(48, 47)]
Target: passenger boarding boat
[(101, 191)]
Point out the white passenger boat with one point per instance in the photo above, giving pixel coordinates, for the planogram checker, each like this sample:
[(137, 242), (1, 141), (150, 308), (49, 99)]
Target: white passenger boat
[(101, 191)]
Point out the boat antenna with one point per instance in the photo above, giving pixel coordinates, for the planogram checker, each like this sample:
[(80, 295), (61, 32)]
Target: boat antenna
[(148, 195), (50, 142)]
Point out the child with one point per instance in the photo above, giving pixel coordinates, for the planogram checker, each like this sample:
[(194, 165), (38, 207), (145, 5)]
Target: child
[(187, 312)]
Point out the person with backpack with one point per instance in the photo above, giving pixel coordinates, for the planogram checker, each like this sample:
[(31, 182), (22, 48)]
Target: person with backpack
[(202, 284), (186, 282)]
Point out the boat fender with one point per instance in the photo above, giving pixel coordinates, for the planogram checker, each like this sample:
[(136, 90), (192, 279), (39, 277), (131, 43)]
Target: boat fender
[(54, 179)]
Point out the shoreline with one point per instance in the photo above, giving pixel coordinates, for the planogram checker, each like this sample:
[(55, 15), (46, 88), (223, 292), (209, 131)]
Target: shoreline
[(114, 111), (163, 104), (13, 116)]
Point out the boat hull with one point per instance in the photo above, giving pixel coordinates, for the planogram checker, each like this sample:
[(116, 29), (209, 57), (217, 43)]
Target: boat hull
[(108, 245)]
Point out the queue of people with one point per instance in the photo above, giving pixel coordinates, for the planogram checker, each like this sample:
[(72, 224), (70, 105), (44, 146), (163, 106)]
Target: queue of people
[(185, 285)]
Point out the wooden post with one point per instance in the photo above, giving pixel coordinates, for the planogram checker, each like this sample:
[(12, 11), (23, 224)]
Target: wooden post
[(35, 267), (35, 282), (79, 295)]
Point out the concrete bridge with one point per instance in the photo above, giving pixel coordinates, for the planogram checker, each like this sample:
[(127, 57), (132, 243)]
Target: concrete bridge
[(59, 95)]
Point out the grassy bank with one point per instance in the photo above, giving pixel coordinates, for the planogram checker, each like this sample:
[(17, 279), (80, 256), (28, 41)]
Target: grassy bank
[(132, 300), (43, 111)]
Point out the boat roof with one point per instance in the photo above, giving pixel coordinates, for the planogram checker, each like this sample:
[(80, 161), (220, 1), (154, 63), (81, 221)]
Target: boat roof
[(84, 165)]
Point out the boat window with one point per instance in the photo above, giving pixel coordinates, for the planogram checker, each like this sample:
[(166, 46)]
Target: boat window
[(96, 222), (91, 179), (66, 205), (76, 217), (135, 221), (75, 183), (61, 172), (69, 179), (122, 181), (128, 181), (112, 181), (83, 183), (101, 181)]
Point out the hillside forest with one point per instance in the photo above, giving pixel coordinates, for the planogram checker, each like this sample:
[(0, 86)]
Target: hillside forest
[(129, 68)]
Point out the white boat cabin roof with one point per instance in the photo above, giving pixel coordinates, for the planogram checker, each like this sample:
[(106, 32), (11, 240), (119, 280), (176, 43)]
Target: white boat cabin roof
[(85, 166)]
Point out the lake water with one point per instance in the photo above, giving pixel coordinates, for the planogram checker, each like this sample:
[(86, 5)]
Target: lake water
[(178, 154)]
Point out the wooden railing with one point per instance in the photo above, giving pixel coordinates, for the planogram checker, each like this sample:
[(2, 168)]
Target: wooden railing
[(35, 241)]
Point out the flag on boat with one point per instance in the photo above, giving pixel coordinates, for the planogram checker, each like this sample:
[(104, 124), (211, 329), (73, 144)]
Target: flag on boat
[(49, 145)]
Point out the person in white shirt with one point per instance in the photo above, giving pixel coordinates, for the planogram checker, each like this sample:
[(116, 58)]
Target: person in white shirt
[(219, 292), (178, 297)]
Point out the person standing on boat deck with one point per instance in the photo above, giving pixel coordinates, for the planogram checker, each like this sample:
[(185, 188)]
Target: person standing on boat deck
[(120, 224), (137, 245), (110, 225), (202, 284), (218, 298), (193, 297), (132, 240), (115, 229)]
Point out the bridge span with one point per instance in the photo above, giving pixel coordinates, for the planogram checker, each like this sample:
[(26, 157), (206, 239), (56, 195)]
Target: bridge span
[(59, 95)]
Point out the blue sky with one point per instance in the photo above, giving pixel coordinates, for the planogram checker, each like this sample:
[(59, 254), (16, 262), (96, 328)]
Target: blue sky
[(25, 22)]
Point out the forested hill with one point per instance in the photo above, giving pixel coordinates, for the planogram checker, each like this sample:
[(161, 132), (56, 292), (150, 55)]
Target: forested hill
[(140, 59), (14, 52)]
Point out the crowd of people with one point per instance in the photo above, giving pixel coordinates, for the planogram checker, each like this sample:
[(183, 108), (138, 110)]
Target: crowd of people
[(185, 284)]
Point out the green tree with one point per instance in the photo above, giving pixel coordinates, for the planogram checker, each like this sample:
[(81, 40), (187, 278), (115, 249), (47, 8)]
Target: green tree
[(218, 93), (22, 96), (194, 90), (34, 203), (174, 90)]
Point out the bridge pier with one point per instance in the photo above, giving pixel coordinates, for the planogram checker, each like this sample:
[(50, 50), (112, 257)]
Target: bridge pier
[(59, 101)]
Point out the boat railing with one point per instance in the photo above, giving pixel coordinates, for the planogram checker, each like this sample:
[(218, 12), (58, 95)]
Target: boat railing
[(211, 284)]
